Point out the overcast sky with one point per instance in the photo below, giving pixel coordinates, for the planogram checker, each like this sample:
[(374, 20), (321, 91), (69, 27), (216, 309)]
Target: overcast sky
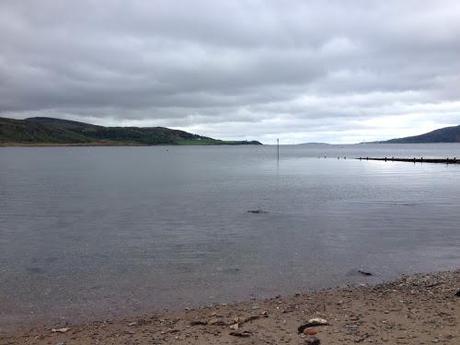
[(303, 71)]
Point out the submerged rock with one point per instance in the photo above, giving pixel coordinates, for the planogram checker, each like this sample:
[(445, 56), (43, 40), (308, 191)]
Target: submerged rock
[(365, 273), (257, 211)]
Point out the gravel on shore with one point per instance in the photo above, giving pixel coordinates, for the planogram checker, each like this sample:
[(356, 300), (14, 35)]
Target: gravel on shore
[(418, 309)]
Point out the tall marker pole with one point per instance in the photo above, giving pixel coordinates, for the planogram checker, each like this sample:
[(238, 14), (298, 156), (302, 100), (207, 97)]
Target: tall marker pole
[(278, 150)]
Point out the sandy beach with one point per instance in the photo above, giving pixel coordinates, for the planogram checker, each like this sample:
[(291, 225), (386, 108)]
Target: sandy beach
[(419, 309)]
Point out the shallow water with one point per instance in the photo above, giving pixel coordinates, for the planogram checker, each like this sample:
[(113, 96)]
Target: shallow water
[(95, 232)]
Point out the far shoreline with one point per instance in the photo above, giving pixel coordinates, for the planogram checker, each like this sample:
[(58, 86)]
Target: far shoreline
[(115, 145)]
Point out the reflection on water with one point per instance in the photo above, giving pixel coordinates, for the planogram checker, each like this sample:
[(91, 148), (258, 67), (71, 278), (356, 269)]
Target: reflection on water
[(90, 232)]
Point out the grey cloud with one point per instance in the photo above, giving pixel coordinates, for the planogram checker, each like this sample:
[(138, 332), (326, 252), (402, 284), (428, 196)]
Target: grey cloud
[(301, 70)]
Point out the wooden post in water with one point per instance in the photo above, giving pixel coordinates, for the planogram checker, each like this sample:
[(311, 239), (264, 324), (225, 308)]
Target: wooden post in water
[(278, 150)]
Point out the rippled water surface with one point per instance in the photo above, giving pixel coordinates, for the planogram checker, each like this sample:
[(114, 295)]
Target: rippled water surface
[(93, 232)]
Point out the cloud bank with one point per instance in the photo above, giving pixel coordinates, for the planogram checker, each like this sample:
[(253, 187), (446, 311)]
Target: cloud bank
[(335, 71)]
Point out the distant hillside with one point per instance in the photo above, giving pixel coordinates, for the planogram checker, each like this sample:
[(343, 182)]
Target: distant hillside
[(443, 135), (45, 130)]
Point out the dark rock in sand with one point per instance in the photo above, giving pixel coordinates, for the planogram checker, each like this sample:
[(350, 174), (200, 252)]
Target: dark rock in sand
[(312, 341), (198, 323), (243, 334)]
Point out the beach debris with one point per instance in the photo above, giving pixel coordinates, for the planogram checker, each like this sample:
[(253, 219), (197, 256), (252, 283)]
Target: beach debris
[(258, 211), (250, 318), (457, 293), (235, 326), (240, 321), (312, 341), (312, 323), (288, 309), (217, 322), (365, 273), (243, 334), (60, 330), (318, 322), (198, 323)]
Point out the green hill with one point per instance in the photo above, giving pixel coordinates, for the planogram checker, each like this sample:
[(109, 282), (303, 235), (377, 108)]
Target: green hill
[(45, 130), (442, 135)]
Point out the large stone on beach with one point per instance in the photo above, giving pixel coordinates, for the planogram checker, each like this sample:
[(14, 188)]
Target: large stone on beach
[(310, 331), (312, 323)]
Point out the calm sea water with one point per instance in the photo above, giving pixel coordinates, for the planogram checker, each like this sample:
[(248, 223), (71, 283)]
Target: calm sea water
[(89, 233)]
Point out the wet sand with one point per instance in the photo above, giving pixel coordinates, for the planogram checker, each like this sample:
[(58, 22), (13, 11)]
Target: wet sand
[(419, 309)]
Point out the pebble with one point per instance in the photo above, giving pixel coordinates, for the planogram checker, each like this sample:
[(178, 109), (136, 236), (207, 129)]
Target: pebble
[(312, 341)]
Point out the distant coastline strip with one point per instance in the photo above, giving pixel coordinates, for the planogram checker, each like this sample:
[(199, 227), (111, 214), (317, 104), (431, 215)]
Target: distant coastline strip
[(447, 160)]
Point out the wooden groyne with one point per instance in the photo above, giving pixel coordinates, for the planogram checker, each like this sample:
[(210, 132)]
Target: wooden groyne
[(447, 160)]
